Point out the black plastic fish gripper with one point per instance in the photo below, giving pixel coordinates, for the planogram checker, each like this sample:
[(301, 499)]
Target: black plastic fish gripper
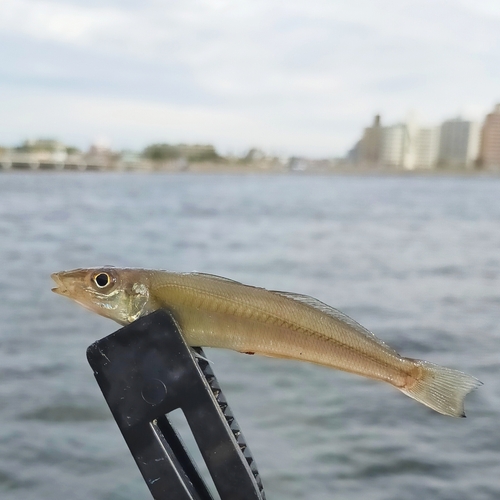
[(146, 370)]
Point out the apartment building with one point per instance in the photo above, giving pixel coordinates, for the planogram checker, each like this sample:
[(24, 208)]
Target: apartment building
[(489, 155), (458, 143)]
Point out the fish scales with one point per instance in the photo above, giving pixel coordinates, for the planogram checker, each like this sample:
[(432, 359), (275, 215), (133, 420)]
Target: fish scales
[(241, 307)]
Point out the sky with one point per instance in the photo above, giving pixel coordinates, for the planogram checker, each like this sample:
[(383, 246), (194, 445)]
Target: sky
[(295, 77)]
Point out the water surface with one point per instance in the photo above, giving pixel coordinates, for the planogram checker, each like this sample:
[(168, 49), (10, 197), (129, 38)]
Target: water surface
[(415, 260)]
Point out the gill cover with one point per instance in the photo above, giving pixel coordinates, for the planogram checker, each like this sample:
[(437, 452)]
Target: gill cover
[(138, 299)]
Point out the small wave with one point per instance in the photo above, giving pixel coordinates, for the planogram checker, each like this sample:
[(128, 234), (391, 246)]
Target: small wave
[(66, 413), (10, 482), (448, 271), (399, 467)]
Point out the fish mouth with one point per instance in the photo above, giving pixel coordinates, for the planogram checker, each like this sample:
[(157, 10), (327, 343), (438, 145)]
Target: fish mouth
[(60, 288)]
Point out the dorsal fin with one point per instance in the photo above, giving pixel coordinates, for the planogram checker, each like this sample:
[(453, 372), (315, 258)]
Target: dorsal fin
[(334, 313), (215, 277)]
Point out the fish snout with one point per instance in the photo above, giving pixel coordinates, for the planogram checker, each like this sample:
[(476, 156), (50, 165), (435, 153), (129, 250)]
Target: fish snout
[(60, 289)]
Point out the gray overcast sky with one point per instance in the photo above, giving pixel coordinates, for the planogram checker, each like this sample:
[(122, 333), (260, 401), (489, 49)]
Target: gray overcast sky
[(294, 77)]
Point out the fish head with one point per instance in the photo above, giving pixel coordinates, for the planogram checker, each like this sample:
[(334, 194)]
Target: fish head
[(119, 294)]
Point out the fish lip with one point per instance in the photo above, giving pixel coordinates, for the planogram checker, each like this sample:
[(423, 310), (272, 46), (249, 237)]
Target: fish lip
[(60, 288)]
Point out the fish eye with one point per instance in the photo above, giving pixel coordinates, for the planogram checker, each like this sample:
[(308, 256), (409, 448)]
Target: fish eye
[(102, 280)]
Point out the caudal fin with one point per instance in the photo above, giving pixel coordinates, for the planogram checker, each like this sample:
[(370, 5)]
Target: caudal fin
[(441, 389)]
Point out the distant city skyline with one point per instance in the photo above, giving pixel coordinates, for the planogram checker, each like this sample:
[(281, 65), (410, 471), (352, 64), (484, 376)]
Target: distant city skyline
[(455, 143), (294, 78), (407, 144)]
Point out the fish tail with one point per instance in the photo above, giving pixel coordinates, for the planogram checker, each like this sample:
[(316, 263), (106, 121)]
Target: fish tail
[(439, 388)]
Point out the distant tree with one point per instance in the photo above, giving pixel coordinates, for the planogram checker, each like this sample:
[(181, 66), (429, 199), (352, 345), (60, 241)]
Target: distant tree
[(204, 153), (191, 152), (31, 146), (159, 152)]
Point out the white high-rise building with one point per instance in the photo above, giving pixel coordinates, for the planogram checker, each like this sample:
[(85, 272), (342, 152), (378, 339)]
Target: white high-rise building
[(407, 146), (395, 149), (458, 143), (426, 147)]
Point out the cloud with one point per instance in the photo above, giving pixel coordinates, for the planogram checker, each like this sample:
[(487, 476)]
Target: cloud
[(307, 74)]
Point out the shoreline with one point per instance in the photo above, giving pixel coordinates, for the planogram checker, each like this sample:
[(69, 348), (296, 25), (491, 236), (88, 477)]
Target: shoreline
[(197, 169)]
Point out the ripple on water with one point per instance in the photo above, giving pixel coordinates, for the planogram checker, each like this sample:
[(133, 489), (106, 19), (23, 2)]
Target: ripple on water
[(399, 467), (26, 373), (67, 413), (9, 482)]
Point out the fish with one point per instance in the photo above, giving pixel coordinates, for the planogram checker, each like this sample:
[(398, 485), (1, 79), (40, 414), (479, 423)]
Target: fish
[(213, 311)]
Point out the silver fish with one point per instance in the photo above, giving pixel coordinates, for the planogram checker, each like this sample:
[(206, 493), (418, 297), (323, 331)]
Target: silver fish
[(217, 312)]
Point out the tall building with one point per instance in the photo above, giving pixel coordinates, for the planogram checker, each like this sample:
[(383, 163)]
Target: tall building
[(489, 155), (426, 147), (403, 145), (458, 143), (407, 146), (369, 147), (395, 148)]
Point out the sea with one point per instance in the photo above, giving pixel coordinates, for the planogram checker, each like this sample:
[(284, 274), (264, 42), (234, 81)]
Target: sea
[(415, 259)]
